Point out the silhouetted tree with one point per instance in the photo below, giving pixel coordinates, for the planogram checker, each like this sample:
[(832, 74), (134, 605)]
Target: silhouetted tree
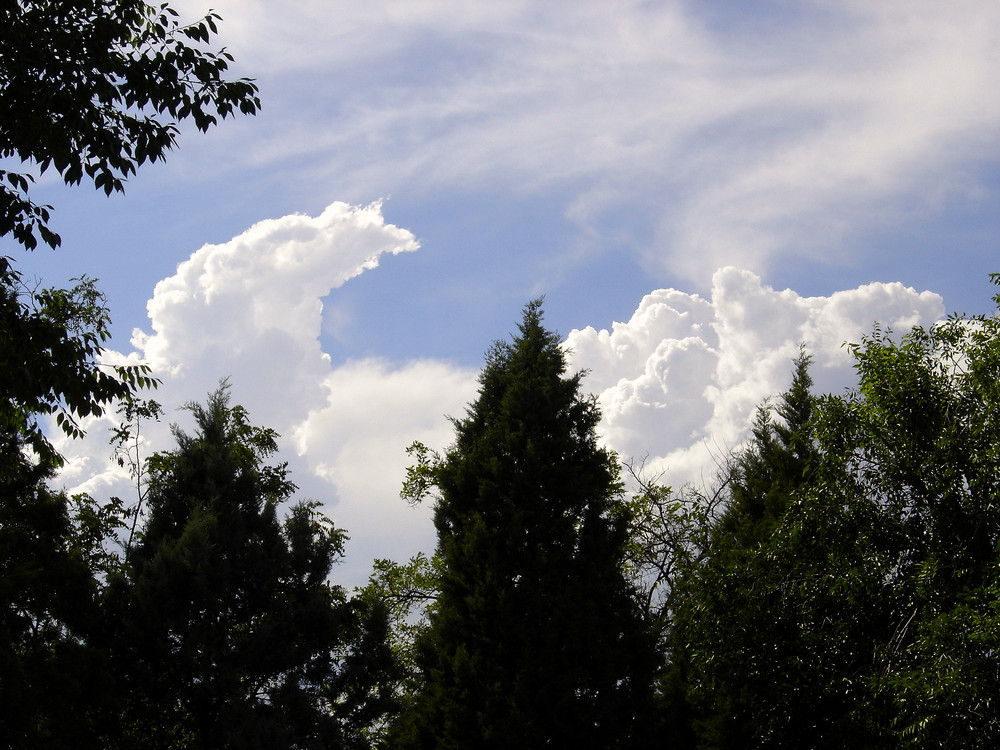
[(56, 688), (52, 557), (536, 639), (96, 88), (741, 655), (231, 634)]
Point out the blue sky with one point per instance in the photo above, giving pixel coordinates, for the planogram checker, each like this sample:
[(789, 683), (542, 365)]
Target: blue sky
[(838, 161)]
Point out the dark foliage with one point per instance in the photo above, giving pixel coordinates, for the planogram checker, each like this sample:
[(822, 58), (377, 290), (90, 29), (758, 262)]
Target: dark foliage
[(55, 686), (536, 638), (96, 88), (50, 346), (849, 595), (231, 634)]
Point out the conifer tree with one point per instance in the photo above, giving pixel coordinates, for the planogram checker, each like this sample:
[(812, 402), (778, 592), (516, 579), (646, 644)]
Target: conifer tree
[(231, 634), (536, 639), (777, 460), (728, 623)]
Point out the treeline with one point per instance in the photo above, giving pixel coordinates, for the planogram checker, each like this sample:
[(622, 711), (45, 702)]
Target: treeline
[(837, 586)]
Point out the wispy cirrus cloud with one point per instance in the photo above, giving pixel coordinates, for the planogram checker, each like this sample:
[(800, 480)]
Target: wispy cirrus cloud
[(738, 136)]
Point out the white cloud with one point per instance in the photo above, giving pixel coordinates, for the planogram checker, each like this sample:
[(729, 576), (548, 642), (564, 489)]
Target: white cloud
[(251, 308), (680, 381), (357, 442), (742, 137)]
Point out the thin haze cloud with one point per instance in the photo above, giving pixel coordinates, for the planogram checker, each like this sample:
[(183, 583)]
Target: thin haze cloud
[(743, 140)]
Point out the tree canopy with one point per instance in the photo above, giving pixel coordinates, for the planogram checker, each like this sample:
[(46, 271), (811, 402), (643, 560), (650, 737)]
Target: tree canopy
[(50, 363), (93, 89), (96, 88), (234, 635), (849, 593), (839, 585)]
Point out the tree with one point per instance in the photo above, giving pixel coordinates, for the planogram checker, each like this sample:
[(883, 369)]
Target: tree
[(408, 593), (755, 666), (95, 88), (231, 634), (868, 614), (696, 558), (919, 438), (50, 348), (92, 88), (52, 548), (779, 458), (536, 638), (56, 687)]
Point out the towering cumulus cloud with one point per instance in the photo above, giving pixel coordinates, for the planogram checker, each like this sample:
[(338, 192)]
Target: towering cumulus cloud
[(252, 309), (680, 381)]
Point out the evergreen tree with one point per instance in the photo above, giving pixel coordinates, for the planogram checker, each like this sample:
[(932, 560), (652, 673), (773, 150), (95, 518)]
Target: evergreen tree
[(742, 654), (778, 459), (536, 639), (231, 635)]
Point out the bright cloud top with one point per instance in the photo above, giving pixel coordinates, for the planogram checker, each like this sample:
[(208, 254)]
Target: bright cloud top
[(733, 135), (252, 308), (271, 278), (680, 381)]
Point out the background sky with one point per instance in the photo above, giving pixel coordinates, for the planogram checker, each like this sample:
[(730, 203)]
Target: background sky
[(695, 187)]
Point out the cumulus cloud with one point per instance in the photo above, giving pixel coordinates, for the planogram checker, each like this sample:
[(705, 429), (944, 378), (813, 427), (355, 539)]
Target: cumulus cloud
[(252, 308), (357, 442), (677, 382), (680, 381), (268, 281)]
